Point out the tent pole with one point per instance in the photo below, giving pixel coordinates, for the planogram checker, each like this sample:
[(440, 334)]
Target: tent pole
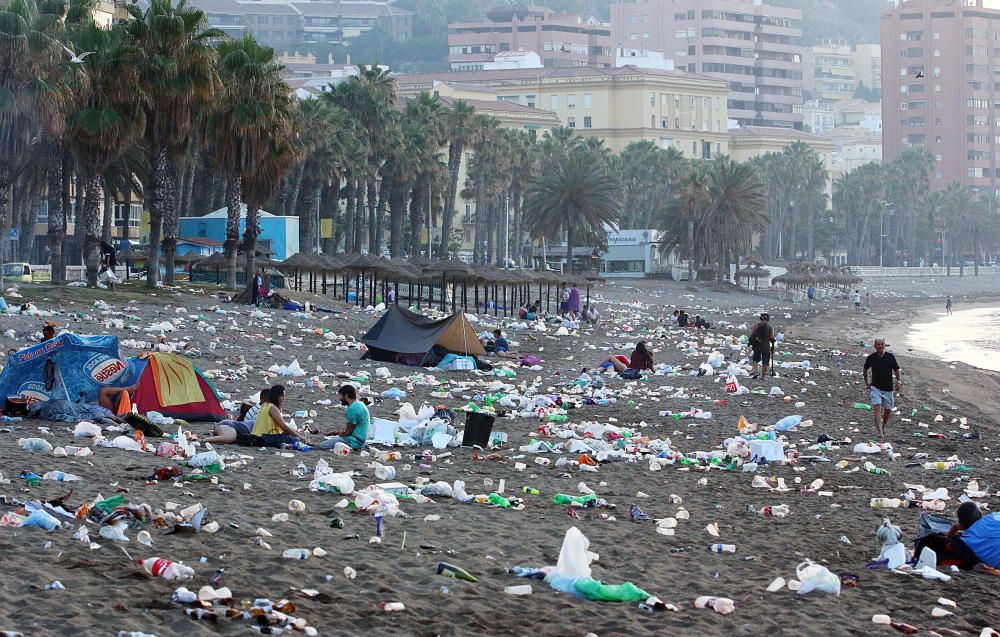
[(357, 288), (505, 308), (495, 303), (477, 298)]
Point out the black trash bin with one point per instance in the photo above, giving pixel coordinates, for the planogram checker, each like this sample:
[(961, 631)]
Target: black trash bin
[(478, 429)]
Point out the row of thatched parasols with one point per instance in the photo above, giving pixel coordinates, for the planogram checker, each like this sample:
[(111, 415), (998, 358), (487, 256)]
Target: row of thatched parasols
[(806, 274), (433, 282)]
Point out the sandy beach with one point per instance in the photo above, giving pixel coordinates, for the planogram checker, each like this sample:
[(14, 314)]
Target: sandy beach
[(105, 593)]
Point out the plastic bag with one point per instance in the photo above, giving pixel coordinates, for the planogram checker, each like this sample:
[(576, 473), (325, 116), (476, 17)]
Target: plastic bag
[(787, 423), (814, 577), (87, 430), (595, 591), (574, 558)]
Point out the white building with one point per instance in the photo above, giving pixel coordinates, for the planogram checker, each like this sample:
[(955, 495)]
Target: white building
[(642, 59), (514, 60), (632, 253)]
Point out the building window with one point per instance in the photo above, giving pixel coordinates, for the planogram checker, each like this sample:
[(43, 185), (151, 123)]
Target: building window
[(468, 213), (588, 122), (652, 99), (694, 149), (42, 215), (706, 150), (571, 101), (202, 229), (530, 100), (586, 100), (571, 122), (555, 103)]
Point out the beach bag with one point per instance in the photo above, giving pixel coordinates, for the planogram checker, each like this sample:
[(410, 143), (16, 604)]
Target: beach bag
[(630, 374)]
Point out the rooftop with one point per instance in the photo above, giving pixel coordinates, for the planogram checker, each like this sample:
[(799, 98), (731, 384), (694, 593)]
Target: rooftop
[(537, 74), (774, 132)]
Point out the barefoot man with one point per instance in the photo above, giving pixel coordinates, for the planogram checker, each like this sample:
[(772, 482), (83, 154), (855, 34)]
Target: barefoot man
[(882, 366)]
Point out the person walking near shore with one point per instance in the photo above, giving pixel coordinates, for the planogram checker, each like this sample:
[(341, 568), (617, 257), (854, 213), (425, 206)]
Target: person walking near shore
[(761, 339), (881, 366), (947, 305)]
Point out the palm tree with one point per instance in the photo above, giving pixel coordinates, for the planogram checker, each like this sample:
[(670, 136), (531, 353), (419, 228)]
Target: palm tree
[(649, 176), (686, 212), (106, 116), (254, 107), (804, 167), (32, 94), (259, 186), (737, 209), (574, 194), (460, 121), (177, 72)]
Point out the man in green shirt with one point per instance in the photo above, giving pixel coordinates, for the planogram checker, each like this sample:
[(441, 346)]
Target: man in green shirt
[(355, 433)]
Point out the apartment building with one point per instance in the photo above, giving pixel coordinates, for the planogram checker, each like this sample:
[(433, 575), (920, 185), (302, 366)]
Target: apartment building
[(754, 47), (868, 65), (620, 105), (282, 25), (560, 40), (939, 87), (830, 75)]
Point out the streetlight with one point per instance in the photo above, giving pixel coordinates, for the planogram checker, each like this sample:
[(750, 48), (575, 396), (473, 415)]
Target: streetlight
[(886, 207)]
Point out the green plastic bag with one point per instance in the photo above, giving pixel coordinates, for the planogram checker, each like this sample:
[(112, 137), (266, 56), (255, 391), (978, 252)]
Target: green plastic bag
[(108, 505), (598, 592)]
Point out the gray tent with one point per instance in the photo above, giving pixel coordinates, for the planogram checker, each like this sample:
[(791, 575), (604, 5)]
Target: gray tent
[(402, 336)]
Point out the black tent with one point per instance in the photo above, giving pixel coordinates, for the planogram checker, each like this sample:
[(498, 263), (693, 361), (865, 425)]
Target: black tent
[(402, 336)]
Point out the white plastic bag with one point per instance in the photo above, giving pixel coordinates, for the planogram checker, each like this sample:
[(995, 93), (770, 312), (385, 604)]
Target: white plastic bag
[(814, 577), (574, 558)]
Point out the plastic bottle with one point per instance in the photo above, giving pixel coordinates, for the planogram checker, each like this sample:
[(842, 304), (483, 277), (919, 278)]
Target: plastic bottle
[(450, 570), (523, 589), (885, 503), (160, 567), (943, 466), (579, 500), (530, 490), (878, 471), (498, 500), (864, 406), (60, 476), (722, 548), (778, 511), (296, 554), (558, 418)]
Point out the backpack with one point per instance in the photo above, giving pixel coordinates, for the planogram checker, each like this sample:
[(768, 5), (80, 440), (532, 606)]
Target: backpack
[(759, 334)]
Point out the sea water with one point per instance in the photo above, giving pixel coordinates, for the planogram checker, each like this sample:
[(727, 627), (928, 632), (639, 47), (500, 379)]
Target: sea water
[(967, 336)]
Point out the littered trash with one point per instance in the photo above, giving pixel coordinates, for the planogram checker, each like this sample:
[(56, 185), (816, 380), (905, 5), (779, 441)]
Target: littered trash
[(721, 605)]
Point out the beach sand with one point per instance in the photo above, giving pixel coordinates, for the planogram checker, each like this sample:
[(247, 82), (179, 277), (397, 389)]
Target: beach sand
[(105, 593)]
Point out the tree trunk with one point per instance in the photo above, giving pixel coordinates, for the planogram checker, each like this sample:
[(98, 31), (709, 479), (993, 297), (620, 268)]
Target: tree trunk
[(455, 151), (307, 217), (92, 228), (329, 205), (187, 189), (57, 213), (250, 234), (234, 197), (157, 204), (481, 213), (350, 194), (417, 199), (690, 251), (569, 247), (491, 227), (372, 211), (109, 213), (359, 217), (169, 213), (380, 219), (811, 239), (78, 234), (397, 216), (293, 198)]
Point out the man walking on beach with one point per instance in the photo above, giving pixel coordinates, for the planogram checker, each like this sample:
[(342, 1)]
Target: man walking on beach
[(947, 305), (882, 366), (761, 339)]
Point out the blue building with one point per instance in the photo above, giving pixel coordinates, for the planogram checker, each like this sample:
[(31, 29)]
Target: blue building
[(278, 234)]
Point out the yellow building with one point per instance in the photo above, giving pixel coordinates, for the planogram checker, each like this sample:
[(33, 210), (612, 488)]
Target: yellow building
[(620, 105), (752, 141)]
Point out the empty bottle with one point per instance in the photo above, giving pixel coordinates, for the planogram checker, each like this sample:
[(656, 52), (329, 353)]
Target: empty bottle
[(722, 548), (579, 500), (885, 503), (498, 500), (523, 589), (943, 466), (160, 567), (878, 471), (296, 554), (450, 570), (778, 511)]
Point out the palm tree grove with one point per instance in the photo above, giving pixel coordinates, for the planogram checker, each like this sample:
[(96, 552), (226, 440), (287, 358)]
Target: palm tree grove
[(162, 106)]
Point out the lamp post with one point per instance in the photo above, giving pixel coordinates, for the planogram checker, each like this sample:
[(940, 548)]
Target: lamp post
[(886, 207)]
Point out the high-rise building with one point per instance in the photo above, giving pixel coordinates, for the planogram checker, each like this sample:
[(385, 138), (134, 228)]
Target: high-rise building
[(283, 24), (560, 40), (939, 89), (755, 47), (868, 65), (830, 74)]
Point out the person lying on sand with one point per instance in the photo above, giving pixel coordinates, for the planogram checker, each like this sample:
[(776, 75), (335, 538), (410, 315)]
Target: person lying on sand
[(973, 541), (501, 347), (355, 434), (641, 360), (230, 432)]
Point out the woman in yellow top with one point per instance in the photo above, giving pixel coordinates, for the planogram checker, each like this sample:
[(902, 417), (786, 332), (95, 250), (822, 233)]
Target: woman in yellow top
[(270, 424)]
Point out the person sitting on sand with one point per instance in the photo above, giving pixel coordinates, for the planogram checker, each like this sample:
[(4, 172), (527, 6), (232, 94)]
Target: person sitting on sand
[(522, 312), (355, 434), (229, 432), (48, 332), (673, 318), (974, 539), (590, 314), (270, 425), (682, 318), (882, 365), (701, 323), (641, 360), (118, 400)]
